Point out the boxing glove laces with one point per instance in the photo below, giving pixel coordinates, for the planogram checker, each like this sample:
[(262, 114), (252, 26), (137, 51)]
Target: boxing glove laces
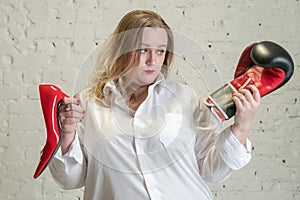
[(266, 65), (50, 97)]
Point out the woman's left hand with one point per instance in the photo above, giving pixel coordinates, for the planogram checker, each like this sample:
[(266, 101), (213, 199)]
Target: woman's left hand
[(247, 102)]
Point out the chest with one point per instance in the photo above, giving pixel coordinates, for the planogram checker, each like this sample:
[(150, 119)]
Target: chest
[(159, 133)]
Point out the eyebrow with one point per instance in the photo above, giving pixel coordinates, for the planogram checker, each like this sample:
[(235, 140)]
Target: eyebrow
[(148, 45)]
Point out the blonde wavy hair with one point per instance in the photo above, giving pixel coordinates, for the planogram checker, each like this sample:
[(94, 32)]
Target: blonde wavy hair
[(120, 51)]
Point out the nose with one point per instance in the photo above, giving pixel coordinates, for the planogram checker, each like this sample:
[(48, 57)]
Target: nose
[(151, 57)]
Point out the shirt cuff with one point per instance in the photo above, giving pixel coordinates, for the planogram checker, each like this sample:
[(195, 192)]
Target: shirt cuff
[(234, 154), (74, 152)]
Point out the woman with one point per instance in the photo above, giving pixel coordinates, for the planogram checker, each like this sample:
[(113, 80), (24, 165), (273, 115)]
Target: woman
[(136, 135)]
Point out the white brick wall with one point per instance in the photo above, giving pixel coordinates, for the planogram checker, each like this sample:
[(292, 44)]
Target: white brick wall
[(46, 41)]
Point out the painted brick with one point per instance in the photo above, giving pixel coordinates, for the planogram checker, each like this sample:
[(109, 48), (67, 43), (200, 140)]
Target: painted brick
[(25, 107), (12, 77), (31, 60), (6, 61), (7, 93), (33, 92), (26, 122), (46, 42), (32, 77), (33, 138)]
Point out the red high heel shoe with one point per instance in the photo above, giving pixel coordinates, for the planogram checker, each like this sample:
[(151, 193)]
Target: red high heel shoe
[(50, 97)]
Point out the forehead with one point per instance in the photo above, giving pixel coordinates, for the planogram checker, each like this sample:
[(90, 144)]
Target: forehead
[(155, 36)]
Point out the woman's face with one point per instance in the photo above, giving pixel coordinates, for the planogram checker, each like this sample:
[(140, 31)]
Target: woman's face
[(152, 55)]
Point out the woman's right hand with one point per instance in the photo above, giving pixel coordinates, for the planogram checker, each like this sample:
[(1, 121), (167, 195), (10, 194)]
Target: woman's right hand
[(69, 114)]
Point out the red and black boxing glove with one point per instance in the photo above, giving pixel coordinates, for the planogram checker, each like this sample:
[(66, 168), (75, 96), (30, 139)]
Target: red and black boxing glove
[(266, 65), (50, 97)]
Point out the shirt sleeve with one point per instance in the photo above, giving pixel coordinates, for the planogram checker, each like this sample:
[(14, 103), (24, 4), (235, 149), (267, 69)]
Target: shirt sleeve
[(218, 151), (69, 170), (234, 154)]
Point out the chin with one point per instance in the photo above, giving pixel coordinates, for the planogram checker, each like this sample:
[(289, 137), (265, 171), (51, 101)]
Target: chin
[(148, 80)]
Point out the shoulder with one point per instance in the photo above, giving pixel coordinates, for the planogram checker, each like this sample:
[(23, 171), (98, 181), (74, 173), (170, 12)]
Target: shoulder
[(179, 88), (183, 92)]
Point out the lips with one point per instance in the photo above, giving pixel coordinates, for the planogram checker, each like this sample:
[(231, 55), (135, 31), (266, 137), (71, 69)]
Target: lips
[(149, 71)]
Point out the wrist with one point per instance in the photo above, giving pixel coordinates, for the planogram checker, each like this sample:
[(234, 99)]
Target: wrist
[(240, 133), (67, 139)]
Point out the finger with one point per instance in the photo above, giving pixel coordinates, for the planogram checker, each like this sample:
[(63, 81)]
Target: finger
[(64, 105), (240, 96), (76, 108), (70, 107), (71, 114), (64, 108), (76, 96), (237, 102), (70, 121), (247, 94), (70, 101), (255, 92)]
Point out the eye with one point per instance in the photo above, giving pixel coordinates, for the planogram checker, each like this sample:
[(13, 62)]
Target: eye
[(161, 51), (143, 51)]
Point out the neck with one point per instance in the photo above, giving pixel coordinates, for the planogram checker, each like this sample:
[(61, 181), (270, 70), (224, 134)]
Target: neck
[(134, 95), (139, 92), (138, 96)]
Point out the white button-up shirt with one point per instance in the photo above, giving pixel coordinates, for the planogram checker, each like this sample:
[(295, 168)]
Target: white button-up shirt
[(168, 149)]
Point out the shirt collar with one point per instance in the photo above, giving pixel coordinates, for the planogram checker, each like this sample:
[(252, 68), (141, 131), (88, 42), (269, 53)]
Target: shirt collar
[(110, 87)]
